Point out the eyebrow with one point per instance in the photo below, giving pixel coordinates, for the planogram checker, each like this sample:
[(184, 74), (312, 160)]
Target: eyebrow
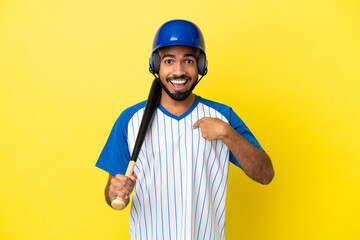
[(190, 55), (168, 55), (173, 56)]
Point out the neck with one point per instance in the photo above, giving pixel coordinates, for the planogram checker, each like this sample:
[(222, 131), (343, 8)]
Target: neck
[(174, 107)]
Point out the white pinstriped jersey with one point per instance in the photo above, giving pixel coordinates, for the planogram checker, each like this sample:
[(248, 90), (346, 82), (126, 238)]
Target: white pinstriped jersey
[(182, 178)]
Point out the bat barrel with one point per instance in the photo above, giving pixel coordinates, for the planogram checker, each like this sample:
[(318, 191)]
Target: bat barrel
[(150, 107)]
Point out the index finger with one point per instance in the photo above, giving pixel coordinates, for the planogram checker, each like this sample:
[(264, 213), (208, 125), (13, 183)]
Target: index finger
[(197, 123), (123, 178), (119, 176)]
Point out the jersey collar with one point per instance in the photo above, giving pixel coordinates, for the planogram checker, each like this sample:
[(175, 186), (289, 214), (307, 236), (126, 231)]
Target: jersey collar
[(193, 106)]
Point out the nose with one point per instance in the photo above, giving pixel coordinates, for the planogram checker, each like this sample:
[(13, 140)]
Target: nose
[(179, 69)]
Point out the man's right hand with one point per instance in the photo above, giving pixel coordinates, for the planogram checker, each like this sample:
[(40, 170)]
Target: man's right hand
[(119, 186)]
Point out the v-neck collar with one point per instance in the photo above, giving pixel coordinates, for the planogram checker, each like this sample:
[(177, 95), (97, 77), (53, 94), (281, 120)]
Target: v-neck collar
[(197, 99)]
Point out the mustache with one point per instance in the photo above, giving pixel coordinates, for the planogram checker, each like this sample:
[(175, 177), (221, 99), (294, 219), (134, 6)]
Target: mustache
[(176, 77)]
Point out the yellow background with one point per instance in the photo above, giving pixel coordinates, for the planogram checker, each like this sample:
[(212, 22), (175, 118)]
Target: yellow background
[(290, 69)]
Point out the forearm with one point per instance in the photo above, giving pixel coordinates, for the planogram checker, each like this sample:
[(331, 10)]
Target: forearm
[(255, 162)]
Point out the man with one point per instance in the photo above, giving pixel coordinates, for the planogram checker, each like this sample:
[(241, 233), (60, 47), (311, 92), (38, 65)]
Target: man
[(181, 172)]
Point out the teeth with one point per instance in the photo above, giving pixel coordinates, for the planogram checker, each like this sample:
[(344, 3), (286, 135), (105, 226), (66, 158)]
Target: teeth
[(178, 81)]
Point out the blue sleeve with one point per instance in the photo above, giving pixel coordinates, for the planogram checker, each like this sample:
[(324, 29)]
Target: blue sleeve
[(241, 128), (115, 155)]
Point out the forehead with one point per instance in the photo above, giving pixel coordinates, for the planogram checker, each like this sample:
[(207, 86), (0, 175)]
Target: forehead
[(178, 50)]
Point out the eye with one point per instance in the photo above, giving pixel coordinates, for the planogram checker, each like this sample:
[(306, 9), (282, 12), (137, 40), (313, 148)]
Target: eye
[(168, 61), (189, 61)]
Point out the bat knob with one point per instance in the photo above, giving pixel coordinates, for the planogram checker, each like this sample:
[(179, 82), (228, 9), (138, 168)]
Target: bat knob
[(118, 204)]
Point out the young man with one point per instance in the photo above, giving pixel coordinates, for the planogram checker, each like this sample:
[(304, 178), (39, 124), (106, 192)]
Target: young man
[(181, 172)]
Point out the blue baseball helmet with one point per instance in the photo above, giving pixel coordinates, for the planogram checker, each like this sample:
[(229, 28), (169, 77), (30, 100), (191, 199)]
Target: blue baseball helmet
[(178, 32)]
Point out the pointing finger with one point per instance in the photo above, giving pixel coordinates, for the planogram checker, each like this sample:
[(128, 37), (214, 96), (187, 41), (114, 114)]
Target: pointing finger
[(196, 124)]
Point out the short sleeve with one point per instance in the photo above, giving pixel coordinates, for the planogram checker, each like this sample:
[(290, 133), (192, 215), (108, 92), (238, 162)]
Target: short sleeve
[(115, 155)]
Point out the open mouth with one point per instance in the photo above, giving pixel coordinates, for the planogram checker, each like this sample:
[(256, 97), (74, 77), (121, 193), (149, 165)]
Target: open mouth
[(181, 82), (178, 84)]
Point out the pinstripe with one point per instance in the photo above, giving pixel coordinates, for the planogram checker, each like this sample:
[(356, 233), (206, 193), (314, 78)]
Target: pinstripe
[(132, 218), (207, 178), (167, 181), (217, 171), (162, 215), (203, 205), (141, 217), (153, 172), (197, 151), (142, 168), (143, 198), (173, 167), (211, 204), (134, 203), (222, 233), (147, 188), (194, 173), (205, 193), (212, 186), (131, 232), (201, 180), (218, 190), (181, 180), (207, 221), (190, 204), (192, 183), (222, 214)]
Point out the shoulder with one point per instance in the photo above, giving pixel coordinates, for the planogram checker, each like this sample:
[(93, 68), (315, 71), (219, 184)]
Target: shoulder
[(129, 112), (212, 103), (219, 107)]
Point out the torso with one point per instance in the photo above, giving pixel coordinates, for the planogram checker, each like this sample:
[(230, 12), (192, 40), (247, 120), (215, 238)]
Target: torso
[(182, 178)]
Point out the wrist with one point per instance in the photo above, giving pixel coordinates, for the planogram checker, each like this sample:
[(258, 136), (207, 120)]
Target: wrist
[(226, 132)]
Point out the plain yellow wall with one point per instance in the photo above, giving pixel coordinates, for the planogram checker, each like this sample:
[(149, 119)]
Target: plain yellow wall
[(290, 69)]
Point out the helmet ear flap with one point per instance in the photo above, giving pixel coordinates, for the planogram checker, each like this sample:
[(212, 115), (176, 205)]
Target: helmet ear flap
[(155, 62), (202, 63), (156, 59)]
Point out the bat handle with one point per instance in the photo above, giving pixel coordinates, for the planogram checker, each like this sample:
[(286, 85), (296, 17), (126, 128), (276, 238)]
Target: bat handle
[(119, 203)]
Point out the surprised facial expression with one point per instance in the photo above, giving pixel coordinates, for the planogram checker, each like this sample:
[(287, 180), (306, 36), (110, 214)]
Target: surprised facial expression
[(178, 68)]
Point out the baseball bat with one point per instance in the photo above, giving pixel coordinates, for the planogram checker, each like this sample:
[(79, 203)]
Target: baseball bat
[(150, 107)]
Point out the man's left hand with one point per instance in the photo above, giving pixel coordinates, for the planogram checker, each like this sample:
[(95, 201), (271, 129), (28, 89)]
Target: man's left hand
[(212, 128)]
